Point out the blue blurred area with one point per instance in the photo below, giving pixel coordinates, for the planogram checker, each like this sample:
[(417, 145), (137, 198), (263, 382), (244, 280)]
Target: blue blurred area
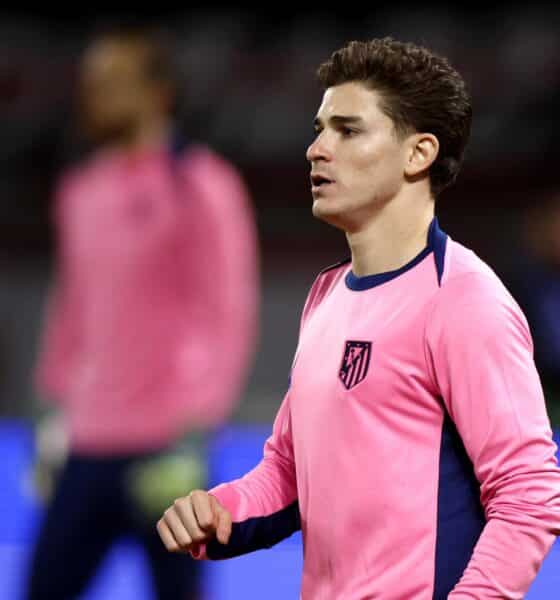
[(273, 574), (124, 574)]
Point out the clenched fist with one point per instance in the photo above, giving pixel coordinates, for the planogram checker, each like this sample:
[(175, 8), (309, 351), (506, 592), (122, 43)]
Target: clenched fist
[(193, 520)]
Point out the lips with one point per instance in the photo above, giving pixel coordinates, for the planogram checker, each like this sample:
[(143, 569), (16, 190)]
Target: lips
[(318, 179)]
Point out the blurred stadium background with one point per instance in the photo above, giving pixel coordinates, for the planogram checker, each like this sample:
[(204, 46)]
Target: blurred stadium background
[(250, 92)]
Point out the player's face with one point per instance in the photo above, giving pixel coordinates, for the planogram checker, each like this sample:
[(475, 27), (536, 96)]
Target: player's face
[(357, 160), (114, 92)]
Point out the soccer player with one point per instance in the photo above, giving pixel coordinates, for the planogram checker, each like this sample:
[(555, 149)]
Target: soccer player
[(151, 322), (413, 446)]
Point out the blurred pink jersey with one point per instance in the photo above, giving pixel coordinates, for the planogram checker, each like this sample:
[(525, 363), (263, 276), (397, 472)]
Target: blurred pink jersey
[(151, 325), (413, 447)]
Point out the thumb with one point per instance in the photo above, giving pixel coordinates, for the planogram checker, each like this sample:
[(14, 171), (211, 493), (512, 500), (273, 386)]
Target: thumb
[(223, 527)]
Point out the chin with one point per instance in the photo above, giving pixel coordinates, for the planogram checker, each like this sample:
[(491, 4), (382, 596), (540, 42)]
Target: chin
[(103, 131), (328, 212)]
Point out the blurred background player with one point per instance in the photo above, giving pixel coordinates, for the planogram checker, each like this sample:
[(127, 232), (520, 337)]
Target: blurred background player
[(150, 326)]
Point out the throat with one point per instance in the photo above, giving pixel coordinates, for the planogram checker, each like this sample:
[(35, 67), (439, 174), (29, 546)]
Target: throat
[(372, 255)]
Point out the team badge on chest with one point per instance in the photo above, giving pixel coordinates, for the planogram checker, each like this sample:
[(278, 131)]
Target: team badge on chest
[(355, 363)]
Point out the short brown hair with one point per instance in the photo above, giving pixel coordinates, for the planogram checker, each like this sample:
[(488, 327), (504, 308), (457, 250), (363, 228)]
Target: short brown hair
[(420, 92)]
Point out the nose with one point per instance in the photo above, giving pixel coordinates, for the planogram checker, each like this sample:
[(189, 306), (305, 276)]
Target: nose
[(318, 150)]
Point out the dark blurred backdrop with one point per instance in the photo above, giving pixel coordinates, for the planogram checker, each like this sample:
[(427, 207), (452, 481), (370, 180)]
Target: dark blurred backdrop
[(249, 90)]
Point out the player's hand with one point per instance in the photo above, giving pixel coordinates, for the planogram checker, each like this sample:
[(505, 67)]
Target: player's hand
[(193, 520)]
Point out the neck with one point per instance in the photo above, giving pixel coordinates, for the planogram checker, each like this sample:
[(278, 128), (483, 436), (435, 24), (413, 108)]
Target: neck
[(392, 236)]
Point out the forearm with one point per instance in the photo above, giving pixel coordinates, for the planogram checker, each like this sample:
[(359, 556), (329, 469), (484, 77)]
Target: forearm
[(505, 562), (262, 503), (59, 348), (267, 489), (264, 509), (521, 528)]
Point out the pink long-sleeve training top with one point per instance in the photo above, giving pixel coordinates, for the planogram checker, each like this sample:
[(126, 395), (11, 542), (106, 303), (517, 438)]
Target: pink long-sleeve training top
[(413, 446), (151, 323)]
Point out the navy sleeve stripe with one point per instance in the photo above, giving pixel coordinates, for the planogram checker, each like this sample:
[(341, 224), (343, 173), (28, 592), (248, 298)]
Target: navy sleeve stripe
[(257, 533)]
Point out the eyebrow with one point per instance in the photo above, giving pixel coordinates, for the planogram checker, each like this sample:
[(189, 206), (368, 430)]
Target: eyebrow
[(339, 120)]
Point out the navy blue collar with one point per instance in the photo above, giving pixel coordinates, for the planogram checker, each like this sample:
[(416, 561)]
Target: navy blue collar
[(437, 240)]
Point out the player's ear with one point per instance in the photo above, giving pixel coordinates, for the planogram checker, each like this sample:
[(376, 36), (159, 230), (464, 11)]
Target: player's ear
[(422, 150)]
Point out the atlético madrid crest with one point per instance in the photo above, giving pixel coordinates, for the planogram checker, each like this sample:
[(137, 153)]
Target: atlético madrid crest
[(355, 363)]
